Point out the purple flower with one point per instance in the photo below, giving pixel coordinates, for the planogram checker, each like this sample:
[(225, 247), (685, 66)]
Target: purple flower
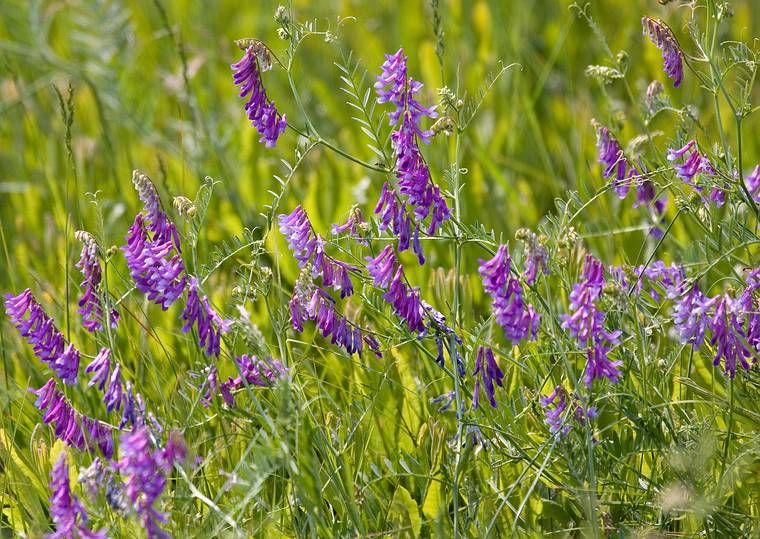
[(65, 508), (260, 110), (490, 373), (90, 306), (753, 183), (694, 164), (690, 316), (663, 38), (39, 330), (405, 301), (209, 324), (130, 414), (72, 427), (728, 336), (555, 417), (382, 267), (100, 368), (153, 249), (354, 225), (534, 255), (144, 469), (518, 319), (614, 161), (586, 324), (415, 185), (112, 397), (254, 372), (310, 302)]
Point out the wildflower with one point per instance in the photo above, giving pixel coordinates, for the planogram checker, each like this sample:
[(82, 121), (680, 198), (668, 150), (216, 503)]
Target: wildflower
[(261, 111), (443, 331), (253, 372), (153, 248), (100, 368), (612, 158), (555, 417), (209, 324), (355, 224), (586, 324), (728, 336), (490, 373), (447, 399), (753, 183), (518, 319), (129, 413), (73, 428), (39, 330), (534, 254), (415, 184), (90, 305), (144, 469), (690, 316), (113, 394), (663, 38), (68, 513)]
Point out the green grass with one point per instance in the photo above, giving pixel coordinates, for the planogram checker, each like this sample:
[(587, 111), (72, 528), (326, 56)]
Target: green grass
[(352, 447)]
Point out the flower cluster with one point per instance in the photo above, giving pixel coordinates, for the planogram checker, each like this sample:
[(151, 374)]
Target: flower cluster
[(535, 256), (72, 427), (694, 164), (153, 249), (355, 224), (586, 324), (387, 273), (663, 38), (260, 110), (416, 188), (518, 319), (556, 417), (209, 324), (145, 470), (39, 330), (90, 305), (66, 510), (490, 374), (670, 278), (441, 330), (308, 248), (253, 372), (100, 367)]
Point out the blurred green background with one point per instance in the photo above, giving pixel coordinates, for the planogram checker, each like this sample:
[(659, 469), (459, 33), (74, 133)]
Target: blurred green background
[(153, 90)]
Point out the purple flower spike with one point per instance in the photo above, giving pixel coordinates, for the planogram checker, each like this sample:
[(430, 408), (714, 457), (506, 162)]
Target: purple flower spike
[(535, 255), (112, 397), (66, 366), (518, 319), (144, 469), (690, 316), (100, 368), (210, 325), (490, 373), (382, 267), (355, 224), (260, 110), (255, 372), (729, 337), (90, 305), (555, 417), (153, 249), (663, 38), (67, 512)]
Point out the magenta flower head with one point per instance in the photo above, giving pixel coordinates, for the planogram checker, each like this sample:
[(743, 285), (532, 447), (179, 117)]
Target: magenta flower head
[(39, 331), (209, 324), (517, 318), (90, 305), (153, 249), (67, 512), (612, 158), (662, 37), (490, 374), (729, 336), (260, 110), (555, 417)]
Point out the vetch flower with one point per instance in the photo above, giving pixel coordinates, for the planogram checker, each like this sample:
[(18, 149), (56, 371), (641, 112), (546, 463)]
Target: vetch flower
[(753, 183), (518, 319), (100, 368), (254, 372), (90, 305), (490, 374), (67, 512), (39, 330), (729, 337), (209, 324), (663, 38), (613, 159), (77, 430), (260, 110), (153, 248), (535, 255), (355, 224), (112, 397), (555, 417), (690, 315)]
